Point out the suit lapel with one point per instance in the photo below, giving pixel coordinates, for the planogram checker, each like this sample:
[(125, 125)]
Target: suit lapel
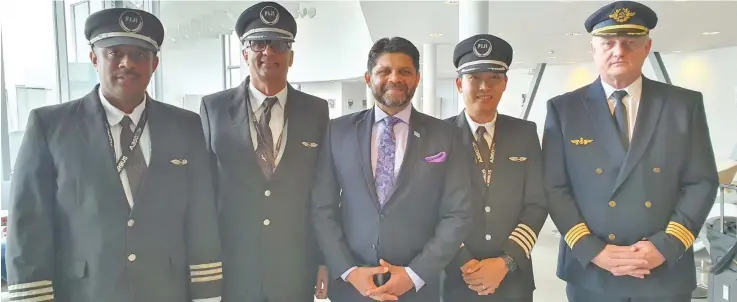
[(99, 156), (415, 137), (468, 140), (503, 142), (296, 115), (648, 115), (601, 118), (161, 127), (241, 119), (363, 135)]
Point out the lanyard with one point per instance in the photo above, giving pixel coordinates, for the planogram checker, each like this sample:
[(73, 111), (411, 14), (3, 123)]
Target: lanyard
[(126, 152), (487, 171), (259, 134)]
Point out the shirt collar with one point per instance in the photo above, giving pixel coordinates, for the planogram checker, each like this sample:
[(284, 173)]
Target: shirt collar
[(115, 115), (634, 90), (257, 97), (474, 125), (402, 115)]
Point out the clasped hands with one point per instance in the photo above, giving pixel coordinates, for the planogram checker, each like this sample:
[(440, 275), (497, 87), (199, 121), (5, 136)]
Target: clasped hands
[(484, 276), (362, 279), (636, 260)]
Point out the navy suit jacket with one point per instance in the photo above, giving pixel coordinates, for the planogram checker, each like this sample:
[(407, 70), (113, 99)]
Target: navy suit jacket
[(421, 225), (660, 190)]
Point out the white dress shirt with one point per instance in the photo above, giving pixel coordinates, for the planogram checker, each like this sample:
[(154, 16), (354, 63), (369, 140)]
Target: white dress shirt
[(114, 116), (490, 126), (631, 102), (401, 131), (276, 123)]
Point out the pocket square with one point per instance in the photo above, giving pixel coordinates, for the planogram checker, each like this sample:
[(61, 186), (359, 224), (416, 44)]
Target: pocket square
[(179, 162), (437, 158), (518, 159), (309, 144)]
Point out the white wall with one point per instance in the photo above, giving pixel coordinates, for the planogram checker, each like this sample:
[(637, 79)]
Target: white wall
[(330, 91), (191, 68), (354, 92)]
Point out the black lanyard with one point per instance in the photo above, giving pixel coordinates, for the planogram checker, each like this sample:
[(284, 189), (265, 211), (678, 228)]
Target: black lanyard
[(126, 152), (487, 170), (259, 134)]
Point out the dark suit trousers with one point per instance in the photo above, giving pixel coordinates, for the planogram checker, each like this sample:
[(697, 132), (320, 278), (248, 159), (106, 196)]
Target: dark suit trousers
[(576, 294), (489, 298)]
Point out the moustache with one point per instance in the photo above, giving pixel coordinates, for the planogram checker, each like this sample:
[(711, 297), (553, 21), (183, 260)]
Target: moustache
[(128, 73)]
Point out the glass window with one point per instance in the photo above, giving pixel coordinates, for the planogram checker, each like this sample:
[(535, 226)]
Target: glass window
[(235, 77), (29, 55), (82, 74)]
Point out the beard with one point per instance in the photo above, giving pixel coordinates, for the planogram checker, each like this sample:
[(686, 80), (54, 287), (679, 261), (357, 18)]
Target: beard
[(381, 96)]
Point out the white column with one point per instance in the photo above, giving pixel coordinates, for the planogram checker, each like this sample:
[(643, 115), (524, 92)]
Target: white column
[(473, 18), (370, 100), (428, 73)]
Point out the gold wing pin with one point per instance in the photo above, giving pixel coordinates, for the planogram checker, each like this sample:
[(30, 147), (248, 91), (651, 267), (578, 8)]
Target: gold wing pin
[(622, 15), (581, 141), (518, 159), (309, 144), (179, 162)]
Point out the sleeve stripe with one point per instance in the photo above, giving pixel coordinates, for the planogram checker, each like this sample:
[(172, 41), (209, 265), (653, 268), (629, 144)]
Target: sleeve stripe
[(36, 299), (530, 239), (528, 245), (676, 230), (207, 272), (678, 235), (576, 233), (15, 287), (574, 230), (205, 266), (578, 237), (33, 292), (528, 229), (527, 252), (685, 230), (207, 279)]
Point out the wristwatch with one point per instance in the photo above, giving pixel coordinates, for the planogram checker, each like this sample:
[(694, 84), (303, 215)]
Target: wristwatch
[(509, 261)]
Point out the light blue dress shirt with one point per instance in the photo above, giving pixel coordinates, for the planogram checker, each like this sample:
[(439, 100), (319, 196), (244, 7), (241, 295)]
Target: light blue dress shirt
[(401, 132)]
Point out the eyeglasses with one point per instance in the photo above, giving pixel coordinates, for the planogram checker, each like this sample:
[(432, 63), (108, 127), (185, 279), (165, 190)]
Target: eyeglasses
[(276, 46)]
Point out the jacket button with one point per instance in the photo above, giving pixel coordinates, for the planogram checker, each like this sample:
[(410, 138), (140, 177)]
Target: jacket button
[(267, 193), (132, 257), (656, 170), (487, 209), (599, 171), (612, 237), (267, 222), (648, 204), (131, 223), (488, 237), (612, 203), (373, 247)]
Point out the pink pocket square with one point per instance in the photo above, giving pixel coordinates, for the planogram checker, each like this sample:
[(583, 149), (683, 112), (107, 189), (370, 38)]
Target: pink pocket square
[(437, 158)]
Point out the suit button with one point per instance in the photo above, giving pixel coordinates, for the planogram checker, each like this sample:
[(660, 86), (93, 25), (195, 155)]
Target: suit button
[(612, 203), (373, 247), (648, 204), (267, 222), (132, 257), (487, 209), (131, 223), (267, 193), (599, 171), (656, 170), (612, 237), (488, 237)]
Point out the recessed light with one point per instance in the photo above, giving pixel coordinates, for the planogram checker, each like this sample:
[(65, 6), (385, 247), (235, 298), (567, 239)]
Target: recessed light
[(570, 62), (573, 34), (708, 33), (451, 1), (677, 51), (550, 58), (436, 35)]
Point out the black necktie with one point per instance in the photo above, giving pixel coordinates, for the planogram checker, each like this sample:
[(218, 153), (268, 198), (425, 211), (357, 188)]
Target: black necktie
[(265, 148), (484, 152), (135, 167), (620, 116)]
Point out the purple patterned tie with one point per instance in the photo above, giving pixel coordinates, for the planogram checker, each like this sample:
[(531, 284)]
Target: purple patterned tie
[(384, 173)]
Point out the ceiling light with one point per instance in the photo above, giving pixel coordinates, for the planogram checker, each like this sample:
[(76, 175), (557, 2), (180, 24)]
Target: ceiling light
[(570, 62), (708, 33), (677, 51), (451, 2), (550, 58), (573, 34), (436, 35)]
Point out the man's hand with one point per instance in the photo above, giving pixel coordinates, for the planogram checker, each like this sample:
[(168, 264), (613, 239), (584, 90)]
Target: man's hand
[(622, 260), (486, 275), (362, 279), (399, 283), (471, 263), (321, 288), (650, 253)]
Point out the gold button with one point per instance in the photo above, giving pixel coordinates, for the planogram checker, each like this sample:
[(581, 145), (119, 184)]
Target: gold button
[(599, 171), (132, 257), (648, 204), (612, 203), (612, 237), (656, 170)]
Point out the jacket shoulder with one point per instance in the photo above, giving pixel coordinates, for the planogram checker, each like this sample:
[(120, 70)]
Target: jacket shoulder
[(567, 97), (218, 96)]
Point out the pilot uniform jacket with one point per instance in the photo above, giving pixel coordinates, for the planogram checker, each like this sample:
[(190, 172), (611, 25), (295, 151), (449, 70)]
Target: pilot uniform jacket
[(599, 193), (269, 249), (73, 237), (423, 221), (507, 215)]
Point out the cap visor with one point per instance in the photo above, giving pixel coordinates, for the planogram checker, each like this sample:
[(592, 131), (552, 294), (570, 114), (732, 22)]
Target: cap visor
[(483, 68), (117, 41), (269, 36)]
